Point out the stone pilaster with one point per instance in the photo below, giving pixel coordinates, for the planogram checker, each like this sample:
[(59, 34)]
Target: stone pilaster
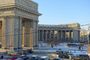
[(16, 32), (3, 32)]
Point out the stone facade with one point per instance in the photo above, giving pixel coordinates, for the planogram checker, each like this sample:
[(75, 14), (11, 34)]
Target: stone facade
[(19, 23)]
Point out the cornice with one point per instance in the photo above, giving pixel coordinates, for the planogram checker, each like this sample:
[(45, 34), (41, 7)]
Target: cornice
[(28, 10)]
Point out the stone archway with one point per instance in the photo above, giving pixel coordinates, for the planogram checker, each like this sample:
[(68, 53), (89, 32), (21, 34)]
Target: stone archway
[(27, 26), (13, 14)]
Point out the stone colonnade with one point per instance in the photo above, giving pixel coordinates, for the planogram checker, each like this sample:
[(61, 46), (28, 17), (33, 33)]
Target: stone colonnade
[(62, 35)]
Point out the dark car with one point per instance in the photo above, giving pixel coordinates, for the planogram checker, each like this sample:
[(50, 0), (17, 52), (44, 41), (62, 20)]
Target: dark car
[(84, 57)]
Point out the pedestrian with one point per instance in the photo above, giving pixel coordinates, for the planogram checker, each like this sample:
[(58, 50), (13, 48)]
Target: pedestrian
[(2, 57)]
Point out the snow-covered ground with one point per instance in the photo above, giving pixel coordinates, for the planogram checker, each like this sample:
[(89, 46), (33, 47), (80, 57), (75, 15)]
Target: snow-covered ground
[(64, 47)]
